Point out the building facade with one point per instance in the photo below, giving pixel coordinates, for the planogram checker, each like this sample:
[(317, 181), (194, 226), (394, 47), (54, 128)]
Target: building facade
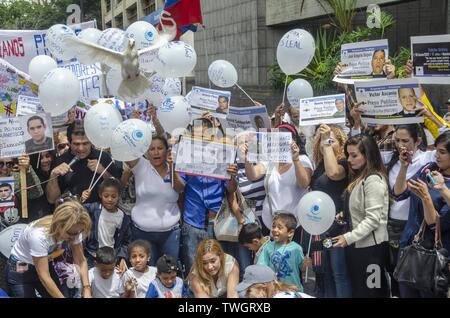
[(121, 13)]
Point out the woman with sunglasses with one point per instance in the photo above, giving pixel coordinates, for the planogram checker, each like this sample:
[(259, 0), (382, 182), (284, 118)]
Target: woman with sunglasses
[(28, 266)]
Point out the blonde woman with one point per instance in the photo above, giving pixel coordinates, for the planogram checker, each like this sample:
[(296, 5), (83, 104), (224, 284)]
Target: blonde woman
[(43, 240), (260, 281), (330, 176), (214, 274)]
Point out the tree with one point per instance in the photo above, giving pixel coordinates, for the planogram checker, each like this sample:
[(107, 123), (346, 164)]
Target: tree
[(22, 14)]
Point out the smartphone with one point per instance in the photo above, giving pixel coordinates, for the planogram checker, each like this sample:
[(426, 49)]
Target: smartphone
[(431, 179)]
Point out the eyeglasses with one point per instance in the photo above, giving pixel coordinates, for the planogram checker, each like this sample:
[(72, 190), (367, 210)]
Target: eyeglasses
[(8, 164)]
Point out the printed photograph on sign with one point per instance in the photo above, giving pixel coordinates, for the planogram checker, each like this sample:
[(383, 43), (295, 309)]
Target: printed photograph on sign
[(363, 61), (210, 100), (6, 190), (322, 110), (431, 58), (391, 102), (38, 133), (246, 118)]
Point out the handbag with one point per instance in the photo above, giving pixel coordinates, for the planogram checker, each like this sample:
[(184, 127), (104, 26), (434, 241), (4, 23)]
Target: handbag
[(226, 227), (423, 268)]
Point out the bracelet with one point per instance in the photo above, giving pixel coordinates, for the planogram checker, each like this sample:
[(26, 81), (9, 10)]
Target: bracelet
[(87, 286)]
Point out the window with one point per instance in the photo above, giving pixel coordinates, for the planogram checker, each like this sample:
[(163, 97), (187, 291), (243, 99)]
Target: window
[(108, 5), (119, 21), (132, 14), (148, 6)]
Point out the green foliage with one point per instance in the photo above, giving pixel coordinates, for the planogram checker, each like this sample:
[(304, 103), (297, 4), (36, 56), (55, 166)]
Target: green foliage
[(32, 15), (328, 48)]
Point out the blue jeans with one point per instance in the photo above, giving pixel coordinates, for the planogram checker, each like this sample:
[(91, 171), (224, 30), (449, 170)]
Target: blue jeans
[(240, 253), (25, 284), (336, 279), (160, 242), (190, 239)]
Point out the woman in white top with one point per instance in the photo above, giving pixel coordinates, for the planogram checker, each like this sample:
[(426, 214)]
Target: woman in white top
[(43, 240), (214, 273), (285, 183), (156, 214)]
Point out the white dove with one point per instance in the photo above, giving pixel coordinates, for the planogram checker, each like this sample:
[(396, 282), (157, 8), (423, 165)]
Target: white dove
[(134, 82)]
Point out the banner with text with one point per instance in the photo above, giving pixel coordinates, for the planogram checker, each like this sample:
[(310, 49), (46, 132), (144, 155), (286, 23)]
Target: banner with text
[(269, 147), (322, 110)]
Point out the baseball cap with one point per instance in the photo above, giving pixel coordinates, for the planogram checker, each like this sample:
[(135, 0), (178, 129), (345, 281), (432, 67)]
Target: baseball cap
[(256, 274), (166, 264)]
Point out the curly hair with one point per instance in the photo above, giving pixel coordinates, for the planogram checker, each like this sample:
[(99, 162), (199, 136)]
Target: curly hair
[(340, 137)]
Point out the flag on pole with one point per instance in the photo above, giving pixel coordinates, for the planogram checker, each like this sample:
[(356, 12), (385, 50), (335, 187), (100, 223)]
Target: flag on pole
[(186, 13)]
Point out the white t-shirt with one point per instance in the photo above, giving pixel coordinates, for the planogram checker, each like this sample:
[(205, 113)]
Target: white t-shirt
[(283, 190), (104, 288), (156, 208), (143, 279), (290, 294), (400, 209), (35, 242), (107, 225)]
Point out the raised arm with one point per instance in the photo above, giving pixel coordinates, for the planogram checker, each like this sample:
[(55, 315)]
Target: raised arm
[(302, 174), (334, 171)]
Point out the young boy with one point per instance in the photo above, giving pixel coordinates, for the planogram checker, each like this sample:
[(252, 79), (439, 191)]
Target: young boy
[(282, 255), (103, 278), (110, 226), (166, 283), (251, 237)]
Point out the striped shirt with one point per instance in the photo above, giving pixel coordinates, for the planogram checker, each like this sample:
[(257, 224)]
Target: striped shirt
[(253, 191)]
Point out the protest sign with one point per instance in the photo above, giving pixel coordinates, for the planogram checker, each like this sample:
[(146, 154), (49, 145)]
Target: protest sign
[(431, 58), (6, 192), (209, 100), (322, 110), (363, 61), (13, 83), (90, 77), (26, 135), (390, 102), (269, 147), (18, 47), (245, 118), (27, 105), (204, 158)]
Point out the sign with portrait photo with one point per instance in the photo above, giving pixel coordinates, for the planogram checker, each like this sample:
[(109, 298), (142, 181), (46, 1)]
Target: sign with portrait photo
[(209, 100), (431, 58), (363, 61), (26, 135), (322, 110), (204, 158), (245, 118), (6, 192), (390, 102)]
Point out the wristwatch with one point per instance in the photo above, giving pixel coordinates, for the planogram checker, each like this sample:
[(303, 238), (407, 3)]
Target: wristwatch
[(328, 142)]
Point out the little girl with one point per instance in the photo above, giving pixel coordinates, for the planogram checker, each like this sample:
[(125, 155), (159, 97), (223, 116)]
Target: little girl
[(135, 281)]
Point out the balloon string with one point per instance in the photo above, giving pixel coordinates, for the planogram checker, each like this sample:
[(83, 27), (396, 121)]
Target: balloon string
[(38, 161), (285, 86), (101, 175), (246, 94), (309, 249), (206, 53), (96, 168)]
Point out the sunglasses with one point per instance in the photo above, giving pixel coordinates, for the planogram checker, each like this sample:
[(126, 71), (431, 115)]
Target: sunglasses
[(62, 146), (8, 164), (67, 197)]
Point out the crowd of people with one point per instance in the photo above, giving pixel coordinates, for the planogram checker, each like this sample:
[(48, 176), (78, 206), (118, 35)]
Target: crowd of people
[(145, 231)]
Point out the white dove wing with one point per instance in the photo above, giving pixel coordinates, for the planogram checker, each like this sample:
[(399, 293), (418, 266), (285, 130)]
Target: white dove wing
[(95, 53)]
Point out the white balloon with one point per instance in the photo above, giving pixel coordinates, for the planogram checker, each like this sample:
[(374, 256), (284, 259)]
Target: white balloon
[(143, 33), (174, 112), (113, 81), (90, 35), (316, 212), (295, 51), (299, 89), (175, 59), (113, 39), (54, 41), (222, 73), (39, 66), (100, 122), (9, 236), (59, 90), (162, 88), (130, 140)]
